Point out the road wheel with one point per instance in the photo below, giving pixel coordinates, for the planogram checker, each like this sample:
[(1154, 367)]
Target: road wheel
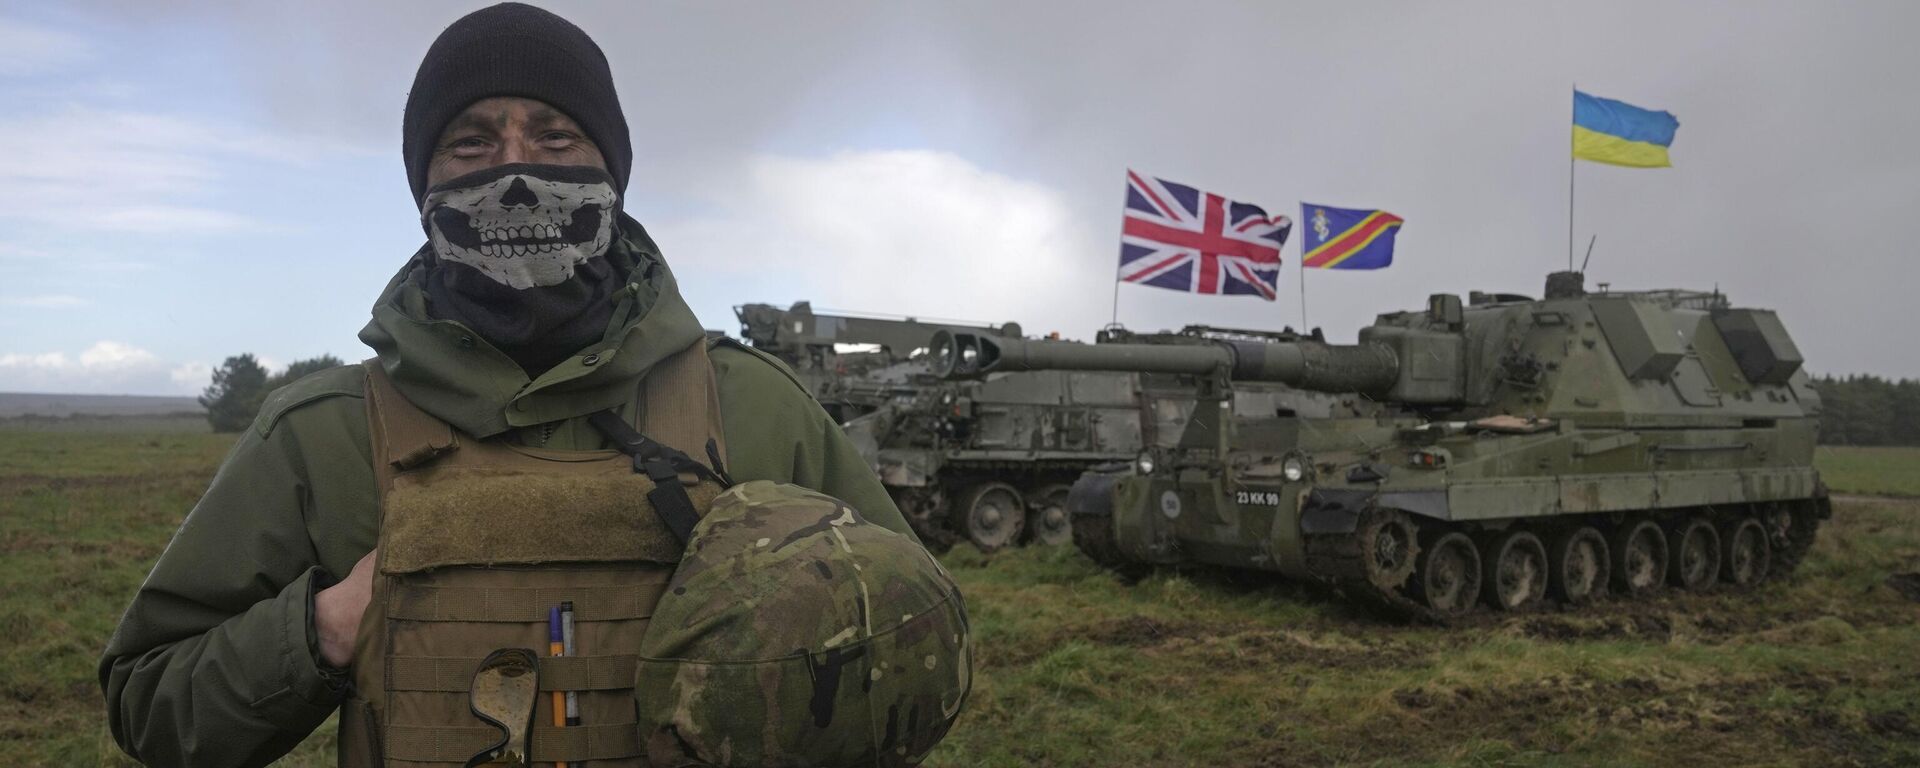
[(926, 512), (1748, 556), (1580, 563), (1447, 578), (1696, 554), (1639, 557), (992, 516), (1794, 525), (1516, 571), (1047, 520), (1389, 545)]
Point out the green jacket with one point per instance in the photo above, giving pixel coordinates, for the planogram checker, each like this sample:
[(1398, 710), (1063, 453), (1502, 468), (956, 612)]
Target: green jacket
[(214, 663)]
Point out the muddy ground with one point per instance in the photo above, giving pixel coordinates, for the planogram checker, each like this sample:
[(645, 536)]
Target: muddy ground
[(1077, 667), (1822, 668)]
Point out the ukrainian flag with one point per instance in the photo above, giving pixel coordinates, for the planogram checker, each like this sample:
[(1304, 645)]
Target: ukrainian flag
[(1608, 131)]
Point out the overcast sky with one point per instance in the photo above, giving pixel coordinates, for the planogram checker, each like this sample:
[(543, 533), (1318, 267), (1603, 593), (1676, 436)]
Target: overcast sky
[(186, 182)]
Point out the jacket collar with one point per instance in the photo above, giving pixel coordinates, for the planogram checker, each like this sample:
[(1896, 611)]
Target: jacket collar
[(449, 371)]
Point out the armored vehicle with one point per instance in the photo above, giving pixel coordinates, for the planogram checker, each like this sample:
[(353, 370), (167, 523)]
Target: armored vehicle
[(991, 461), (852, 363), (964, 460), (1528, 450)]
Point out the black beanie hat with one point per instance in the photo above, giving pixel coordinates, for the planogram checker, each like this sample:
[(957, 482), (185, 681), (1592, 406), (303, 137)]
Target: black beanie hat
[(513, 49)]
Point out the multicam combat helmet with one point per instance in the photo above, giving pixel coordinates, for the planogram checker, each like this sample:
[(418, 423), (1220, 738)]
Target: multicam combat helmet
[(796, 633)]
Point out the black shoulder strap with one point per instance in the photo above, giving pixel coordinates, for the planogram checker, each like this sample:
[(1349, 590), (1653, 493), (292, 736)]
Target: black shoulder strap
[(662, 464)]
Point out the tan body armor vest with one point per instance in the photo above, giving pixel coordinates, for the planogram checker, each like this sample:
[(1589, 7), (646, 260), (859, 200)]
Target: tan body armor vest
[(479, 539)]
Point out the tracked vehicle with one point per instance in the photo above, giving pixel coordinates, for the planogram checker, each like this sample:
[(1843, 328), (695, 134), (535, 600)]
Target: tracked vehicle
[(991, 461), (1527, 450), (984, 462), (851, 363)]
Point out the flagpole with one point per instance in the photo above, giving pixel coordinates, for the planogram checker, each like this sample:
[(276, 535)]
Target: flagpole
[(1570, 176), (1303, 287), (1125, 181)]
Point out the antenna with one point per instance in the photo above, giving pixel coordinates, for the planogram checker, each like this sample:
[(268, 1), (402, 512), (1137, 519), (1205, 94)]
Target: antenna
[(1583, 262)]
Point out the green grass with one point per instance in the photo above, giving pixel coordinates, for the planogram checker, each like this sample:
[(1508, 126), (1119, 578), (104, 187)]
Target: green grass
[(1076, 667), (1880, 471), (82, 517), (132, 424)]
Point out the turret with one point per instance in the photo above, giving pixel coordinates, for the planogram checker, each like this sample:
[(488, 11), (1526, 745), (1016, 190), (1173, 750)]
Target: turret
[(1598, 358)]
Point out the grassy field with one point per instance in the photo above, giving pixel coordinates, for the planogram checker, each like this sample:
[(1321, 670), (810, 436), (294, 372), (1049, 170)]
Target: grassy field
[(1078, 668), (1875, 471), (142, 424)]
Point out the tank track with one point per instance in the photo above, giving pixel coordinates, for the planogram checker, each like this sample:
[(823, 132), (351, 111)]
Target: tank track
[(1339, 559), (1090, 507), (922, 510), (929, 509), (1803, 526), (938, 539)]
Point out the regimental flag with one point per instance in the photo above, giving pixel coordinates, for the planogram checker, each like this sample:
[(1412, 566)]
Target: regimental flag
[(1608, 131), (1347, 238), (1180, 238)]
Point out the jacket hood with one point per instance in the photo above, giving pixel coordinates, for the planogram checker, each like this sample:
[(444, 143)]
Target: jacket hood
[(451, 372)]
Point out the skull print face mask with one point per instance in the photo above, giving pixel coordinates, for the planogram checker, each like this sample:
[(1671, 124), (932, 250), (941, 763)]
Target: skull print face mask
[(523, 225), (520, 254)]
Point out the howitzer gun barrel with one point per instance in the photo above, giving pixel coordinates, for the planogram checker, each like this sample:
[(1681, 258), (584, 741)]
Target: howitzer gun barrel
[(1365, 368)]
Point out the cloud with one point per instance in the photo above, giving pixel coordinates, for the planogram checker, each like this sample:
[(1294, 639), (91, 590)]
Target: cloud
[(16, 256), (46, 301), (33, 49), (106, 367), (166, 219), (134, 171), (191, 377), (44, 361), (1787, 137), (114, 356), (108, 170), (915, 232)]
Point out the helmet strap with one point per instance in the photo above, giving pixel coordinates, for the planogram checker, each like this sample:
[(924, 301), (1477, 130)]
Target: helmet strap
[(662, 464)]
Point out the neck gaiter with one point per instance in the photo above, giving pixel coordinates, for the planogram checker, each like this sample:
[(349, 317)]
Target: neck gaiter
[(519, 255)]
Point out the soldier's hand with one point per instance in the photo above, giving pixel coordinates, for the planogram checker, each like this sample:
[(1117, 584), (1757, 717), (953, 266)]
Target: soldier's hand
[(337, 610)]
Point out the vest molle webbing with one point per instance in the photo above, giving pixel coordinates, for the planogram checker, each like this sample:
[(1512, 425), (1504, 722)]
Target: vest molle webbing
[(480, 539)]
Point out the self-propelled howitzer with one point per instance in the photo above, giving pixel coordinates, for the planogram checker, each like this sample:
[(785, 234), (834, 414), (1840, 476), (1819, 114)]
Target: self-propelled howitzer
[(1526, 449), (852, 363)]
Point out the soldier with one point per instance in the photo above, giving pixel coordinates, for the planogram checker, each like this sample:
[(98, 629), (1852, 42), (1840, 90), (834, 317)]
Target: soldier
[(545, 426)]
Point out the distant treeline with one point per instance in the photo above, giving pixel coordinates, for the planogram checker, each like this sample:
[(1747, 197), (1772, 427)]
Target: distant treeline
[(241, 384), (1869, 410), (1860, 409)]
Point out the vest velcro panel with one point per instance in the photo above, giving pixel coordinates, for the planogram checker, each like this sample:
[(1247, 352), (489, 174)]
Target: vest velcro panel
[(531, 518)]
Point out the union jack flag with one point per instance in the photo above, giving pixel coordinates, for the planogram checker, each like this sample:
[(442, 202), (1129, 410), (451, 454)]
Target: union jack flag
[(1179, 238)]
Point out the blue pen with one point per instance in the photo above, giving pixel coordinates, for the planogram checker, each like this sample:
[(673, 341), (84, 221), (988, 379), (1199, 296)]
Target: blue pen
[(556, 647)]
